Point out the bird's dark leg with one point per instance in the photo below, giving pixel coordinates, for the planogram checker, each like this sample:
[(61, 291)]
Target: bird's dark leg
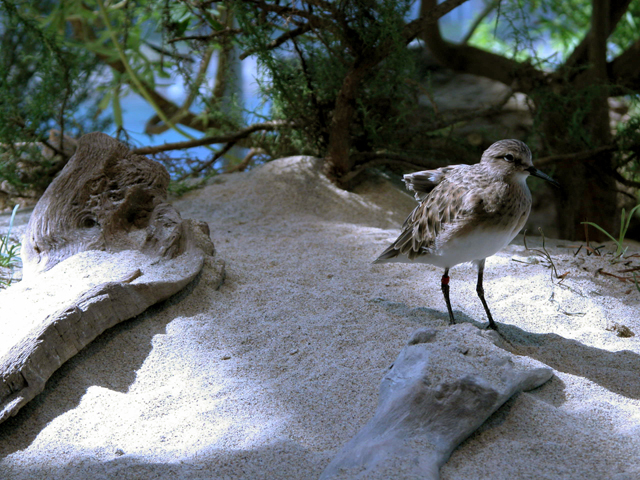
[(480, 291), (445, 291)]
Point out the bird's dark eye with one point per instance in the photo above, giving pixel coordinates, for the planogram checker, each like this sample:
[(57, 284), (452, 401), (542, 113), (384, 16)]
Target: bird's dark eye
[(508, 157)]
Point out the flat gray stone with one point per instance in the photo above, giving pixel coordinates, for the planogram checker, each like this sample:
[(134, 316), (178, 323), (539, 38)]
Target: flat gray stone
[(442, 387)]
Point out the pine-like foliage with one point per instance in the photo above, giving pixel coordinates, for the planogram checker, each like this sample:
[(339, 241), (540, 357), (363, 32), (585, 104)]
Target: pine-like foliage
[(43, 85), (304, 76)]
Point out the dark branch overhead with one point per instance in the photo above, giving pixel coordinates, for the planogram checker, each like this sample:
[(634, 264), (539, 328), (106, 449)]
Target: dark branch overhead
[(580, 54), (225, 138), (521, 77), (285, 37), (210, 36), (624, 70), (428, 16)]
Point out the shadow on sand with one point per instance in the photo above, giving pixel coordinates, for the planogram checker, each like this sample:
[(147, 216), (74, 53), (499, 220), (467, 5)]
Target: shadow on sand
[(101, 363), (615, 371)]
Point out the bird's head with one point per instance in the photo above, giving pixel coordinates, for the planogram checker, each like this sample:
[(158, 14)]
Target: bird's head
[(513, 157)]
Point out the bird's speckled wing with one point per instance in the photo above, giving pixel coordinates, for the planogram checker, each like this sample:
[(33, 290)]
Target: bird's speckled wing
[(422, 183), (444, 201)]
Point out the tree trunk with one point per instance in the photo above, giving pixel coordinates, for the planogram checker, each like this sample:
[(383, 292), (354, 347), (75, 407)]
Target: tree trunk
[(339, 138), (588, 194), (589, 190)]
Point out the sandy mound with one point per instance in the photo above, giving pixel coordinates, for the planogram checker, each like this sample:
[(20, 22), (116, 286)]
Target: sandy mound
[(270, 375)]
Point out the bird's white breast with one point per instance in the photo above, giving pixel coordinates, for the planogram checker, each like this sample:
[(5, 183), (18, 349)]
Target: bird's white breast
[(478, 244)]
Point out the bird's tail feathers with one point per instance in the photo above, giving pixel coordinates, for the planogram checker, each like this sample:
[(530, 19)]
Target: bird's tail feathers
[(388, 254)]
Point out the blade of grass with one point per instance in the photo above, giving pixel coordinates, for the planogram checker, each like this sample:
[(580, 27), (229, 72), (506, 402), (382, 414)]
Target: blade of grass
[(5, 241), (8, 253)]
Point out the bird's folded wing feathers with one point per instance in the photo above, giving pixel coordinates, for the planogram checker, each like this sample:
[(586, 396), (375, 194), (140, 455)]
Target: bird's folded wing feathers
[(444, 207), (422, 183)]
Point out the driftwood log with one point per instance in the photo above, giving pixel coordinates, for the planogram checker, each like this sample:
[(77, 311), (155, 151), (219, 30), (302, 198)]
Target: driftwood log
[(101, 246), (441, 388)]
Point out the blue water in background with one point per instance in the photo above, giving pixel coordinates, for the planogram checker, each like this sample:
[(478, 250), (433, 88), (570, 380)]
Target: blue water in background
[(136, 111)]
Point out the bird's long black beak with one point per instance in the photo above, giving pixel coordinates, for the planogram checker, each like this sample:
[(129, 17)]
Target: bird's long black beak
[(537, 173)]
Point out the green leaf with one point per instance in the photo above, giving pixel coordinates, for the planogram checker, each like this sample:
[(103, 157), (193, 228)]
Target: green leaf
[(622, 227), (117, 111), (601, 229), (104, 101), (162, 73)]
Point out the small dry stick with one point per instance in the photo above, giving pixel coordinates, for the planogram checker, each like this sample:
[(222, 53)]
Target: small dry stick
[(545, 254), (589, 248), (629, 270), (623, 279)]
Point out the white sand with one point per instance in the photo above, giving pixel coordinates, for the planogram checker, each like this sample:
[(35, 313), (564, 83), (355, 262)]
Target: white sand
[(269, 376)]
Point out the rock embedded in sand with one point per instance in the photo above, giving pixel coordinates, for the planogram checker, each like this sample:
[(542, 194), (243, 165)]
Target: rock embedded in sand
[(441, 388)]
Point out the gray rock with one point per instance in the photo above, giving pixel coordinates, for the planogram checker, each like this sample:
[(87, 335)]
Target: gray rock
[(441, 388)]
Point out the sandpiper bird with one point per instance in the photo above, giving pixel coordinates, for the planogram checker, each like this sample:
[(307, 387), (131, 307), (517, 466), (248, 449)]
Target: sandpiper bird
[(467, 213)]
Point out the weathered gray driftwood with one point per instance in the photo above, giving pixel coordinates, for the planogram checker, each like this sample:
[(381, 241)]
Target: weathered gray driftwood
[(102, 245), (442, 387), (102, 198)]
